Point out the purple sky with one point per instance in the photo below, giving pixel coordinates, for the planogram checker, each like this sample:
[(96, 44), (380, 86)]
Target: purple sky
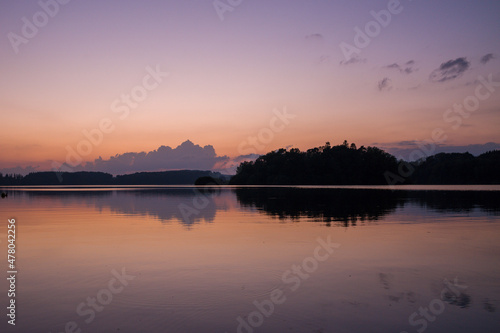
[(106, 78)]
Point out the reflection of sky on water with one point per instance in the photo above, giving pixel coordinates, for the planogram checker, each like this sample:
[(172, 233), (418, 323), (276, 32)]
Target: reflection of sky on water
[(200, 277), (343, 207)]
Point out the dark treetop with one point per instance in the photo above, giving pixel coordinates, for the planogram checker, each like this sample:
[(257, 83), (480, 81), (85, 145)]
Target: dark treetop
[(348, 165)]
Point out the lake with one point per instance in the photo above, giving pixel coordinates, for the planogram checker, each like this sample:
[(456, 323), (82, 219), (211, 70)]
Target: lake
[(254, 259)]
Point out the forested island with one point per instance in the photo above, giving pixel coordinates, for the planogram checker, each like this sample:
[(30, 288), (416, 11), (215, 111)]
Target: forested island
[(348, 165), (343, 164)]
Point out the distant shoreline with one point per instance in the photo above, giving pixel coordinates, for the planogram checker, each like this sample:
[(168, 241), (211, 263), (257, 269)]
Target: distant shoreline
[(341, 165), (428, 187), (90, 178)]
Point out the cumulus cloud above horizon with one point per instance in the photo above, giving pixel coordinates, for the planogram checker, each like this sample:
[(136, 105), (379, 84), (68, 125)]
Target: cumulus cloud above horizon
[(186, 156)]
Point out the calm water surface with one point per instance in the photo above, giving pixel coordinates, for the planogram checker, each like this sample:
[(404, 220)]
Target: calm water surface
[(176, 259)]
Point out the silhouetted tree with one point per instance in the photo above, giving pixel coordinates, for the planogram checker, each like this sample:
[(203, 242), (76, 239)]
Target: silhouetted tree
[(458, 168), (343, 164), (208, 180), (178, 177), (347, 165)]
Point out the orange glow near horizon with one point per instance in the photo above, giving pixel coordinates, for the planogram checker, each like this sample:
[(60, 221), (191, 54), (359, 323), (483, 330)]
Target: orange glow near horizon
[(218, 84)]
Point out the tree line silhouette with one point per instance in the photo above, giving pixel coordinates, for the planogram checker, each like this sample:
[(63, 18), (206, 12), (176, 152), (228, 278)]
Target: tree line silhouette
[(178, 177), (348, 165), (326, 165), (343, 164), (458, 168)]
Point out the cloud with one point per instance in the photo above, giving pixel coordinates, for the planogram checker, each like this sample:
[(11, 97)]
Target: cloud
[(324, 59), (487, 58), (314, 38), (410, 149), (19, 170), (450, 70), (406, 68), (186, 156), (396, 66), (406, 143), (473, 83), (385, 84), (228, 166), (353, 60), (315, 41)]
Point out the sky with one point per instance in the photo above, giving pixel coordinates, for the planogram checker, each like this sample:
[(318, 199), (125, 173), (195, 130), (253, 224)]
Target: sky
[(124, 86)]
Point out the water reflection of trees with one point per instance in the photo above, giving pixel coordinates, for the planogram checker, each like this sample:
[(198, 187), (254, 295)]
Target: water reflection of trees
[(457, 201), (332, 206), (187, 205), (350, 206), (343, 207)]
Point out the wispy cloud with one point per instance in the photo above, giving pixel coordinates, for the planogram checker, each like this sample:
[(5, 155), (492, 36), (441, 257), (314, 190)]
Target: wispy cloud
[(316, 38), (487, 58), (450, 70), (324, 59), (385, 84), (352, 61), (406, 68)]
